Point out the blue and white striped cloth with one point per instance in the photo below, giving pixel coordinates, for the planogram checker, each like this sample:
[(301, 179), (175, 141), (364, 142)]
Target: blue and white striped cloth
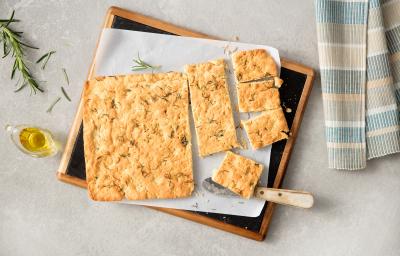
[(359, 57)]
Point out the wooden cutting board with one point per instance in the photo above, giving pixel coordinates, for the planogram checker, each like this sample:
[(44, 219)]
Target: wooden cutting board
[(294, 94)]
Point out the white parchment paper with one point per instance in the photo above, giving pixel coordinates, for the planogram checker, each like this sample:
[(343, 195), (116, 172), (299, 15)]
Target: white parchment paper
[(115, 54)]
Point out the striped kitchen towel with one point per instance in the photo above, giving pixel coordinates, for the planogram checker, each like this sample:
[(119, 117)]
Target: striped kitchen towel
[(359, 57)]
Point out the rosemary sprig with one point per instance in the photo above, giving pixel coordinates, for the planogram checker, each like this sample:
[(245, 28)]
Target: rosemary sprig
[(13, 44), (65, 75), (53, 104), (141, 65), (65, 94), (45, 58)]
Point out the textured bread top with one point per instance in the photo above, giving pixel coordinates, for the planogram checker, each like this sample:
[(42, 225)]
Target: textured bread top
[(136, 137), (266, 128), (258, 96), (211, 107), (253, 65), (239, 174)]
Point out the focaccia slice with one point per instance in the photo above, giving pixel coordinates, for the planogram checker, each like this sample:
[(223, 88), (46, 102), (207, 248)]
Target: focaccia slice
[(211, 107), (267, 128), (258, 96), (239, 174), (253, 65), (137, 139)]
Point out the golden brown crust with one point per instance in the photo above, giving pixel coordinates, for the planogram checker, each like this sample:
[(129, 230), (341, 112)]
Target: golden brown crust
[(253, 65), (267, 128), (239, 174), (258, 96), (137, 138), (211, 107)]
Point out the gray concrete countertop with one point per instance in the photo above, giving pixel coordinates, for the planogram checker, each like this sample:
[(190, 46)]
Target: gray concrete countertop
[(356, 213)]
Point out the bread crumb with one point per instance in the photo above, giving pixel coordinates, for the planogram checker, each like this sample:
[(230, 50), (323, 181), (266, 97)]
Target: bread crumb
[(243, 143), (278, 82)]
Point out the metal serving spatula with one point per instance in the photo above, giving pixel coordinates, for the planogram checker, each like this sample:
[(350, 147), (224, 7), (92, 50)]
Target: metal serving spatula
[(280, 196)]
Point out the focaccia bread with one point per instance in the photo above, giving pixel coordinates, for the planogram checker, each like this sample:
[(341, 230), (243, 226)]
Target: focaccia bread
[(253, 65), (137, 139), (211, 107), (267, 128), (239, 174), (258, 96)]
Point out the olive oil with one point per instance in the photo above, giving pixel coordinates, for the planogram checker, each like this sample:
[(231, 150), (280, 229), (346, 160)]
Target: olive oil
[(34, 141)]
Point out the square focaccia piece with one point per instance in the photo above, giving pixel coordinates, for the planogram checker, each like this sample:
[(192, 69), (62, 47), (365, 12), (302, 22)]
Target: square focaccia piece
[(211, 107), (137, 139), (267, 128), (253, 65), (239, 174), (258, 96)]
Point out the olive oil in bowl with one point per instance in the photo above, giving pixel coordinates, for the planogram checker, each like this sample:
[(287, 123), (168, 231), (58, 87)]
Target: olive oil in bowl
[(33, 141)]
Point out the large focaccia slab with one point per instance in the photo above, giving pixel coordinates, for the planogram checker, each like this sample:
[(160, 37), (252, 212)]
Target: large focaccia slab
[(136, 137), (258, 96), (253, 65), (239, 174), (211, 107), (267, 128)]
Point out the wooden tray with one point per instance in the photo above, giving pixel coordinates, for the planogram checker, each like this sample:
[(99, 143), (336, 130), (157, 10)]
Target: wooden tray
[(294, 94)]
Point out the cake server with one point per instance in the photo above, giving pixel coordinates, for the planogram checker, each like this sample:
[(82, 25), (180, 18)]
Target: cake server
[(296, 198)]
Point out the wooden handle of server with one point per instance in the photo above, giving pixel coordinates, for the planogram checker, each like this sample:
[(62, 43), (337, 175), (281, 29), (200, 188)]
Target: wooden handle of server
[(287, 197)]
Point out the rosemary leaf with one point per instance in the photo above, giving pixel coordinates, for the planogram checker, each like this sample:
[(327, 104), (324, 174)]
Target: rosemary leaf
[(65, 75), (14, 69), (6, 50), (21, 87), (45, 58), (65, 94), (42, 58), (137, 68), (18, 33), (8, 20), (27, 45), (52, 105)]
